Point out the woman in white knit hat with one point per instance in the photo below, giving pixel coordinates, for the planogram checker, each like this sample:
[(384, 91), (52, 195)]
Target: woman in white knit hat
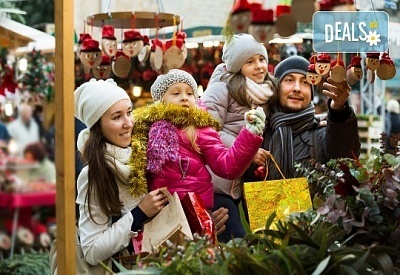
[(110, 209), (239, 84)]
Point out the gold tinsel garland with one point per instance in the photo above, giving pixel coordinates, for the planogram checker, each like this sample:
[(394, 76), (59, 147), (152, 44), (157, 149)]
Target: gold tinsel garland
[(144, 118)]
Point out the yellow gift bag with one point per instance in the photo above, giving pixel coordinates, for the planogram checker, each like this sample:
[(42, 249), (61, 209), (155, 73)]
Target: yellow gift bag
[(283, 196)]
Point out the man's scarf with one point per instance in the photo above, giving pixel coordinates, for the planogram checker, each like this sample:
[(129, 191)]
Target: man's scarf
[(284, 127)]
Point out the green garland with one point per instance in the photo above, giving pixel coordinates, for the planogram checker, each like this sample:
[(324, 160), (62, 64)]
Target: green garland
[(144, 118)]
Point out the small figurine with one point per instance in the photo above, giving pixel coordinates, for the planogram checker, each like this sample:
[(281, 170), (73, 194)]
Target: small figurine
[(90, 54), (82, 37), (173, 56), (386, 70), (240, 17), (103, 71), (338, 71), (145, 52), (108, 41), (132, 43), (121, 65), (312, 76), (262, 25), (354, 71), (323, 64)]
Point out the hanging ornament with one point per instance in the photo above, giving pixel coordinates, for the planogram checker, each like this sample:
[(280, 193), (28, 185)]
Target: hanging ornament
[(372, 62), (108, 41), (262, 26), (8, 84), (145, 51), (132, 43), (323, 64), (156, 54), (386, 70), (307, 9), (173, 55), (313, 59), (90, 54), (103, 71), (354, 71), (182, 35), (121, 65), (312, 76), (240, 17), (338, 71), (82, 37), (285, 23)]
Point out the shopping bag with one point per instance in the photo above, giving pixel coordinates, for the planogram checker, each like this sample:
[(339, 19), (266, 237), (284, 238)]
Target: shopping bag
[(283, 196), (199, 218), (170, 224)]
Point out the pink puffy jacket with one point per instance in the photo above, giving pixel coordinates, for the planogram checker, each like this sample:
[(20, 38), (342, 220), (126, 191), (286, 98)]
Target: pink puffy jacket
[(189, 172)]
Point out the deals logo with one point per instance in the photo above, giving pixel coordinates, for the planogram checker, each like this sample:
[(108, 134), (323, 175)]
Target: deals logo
[(358, 31)]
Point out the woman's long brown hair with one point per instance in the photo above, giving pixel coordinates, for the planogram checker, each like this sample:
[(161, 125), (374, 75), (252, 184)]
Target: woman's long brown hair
[(102, 175)]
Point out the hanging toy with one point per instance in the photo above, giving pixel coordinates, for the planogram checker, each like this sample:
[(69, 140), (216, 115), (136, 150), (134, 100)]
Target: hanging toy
[(240, 17), (173, 55), (103, 71), (354, 71), (372, 62), (262, 26), (132, 43), (156, 54), (386, 70), (145, 52), (307, 8), (8, 84), (121, 65), (285, 23), (90, 54), (312, 76), (182, 35), (323, 64), (108, 41), (313, 59), (82, 37), (338, 71)]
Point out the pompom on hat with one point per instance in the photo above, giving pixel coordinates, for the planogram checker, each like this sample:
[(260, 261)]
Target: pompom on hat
[(242, 47), (92, 99), (164, 81)]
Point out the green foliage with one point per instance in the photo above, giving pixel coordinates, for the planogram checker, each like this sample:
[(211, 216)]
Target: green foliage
[(353, 229), (28, 264), (14, 16)]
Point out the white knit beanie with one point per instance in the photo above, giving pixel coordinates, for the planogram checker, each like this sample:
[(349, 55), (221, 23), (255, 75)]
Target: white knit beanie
[(92, 99), (242, 47), (164, 81)]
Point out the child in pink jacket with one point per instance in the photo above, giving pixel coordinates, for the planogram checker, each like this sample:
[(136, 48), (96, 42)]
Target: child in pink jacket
[(183, 139)]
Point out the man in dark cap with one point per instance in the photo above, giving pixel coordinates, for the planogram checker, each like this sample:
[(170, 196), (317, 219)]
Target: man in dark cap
[(294, 134)]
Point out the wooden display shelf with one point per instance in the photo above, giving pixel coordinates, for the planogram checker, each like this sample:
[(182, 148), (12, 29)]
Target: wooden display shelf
[(130, 20)]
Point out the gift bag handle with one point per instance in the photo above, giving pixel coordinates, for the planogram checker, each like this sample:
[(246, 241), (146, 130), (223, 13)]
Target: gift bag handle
[(276, 165)]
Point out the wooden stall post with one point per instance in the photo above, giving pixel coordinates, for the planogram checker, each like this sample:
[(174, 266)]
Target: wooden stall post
[(64, 135)]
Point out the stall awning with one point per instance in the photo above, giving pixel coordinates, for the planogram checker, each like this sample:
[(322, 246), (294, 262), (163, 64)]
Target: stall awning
[(22, 38), (11, 35)]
